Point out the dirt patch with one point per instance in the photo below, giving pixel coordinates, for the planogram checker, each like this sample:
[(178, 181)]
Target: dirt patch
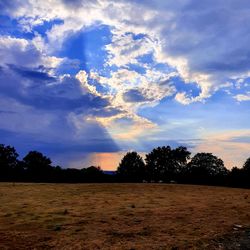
[(235, 240)]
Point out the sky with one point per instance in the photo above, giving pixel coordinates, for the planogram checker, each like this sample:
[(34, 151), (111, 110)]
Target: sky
[(85, 81)]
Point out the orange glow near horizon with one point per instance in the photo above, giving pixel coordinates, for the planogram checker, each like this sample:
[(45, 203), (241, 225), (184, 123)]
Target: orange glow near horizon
[(107, 161)]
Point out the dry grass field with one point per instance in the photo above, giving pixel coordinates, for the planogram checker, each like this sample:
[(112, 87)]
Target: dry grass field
[(123, 216)]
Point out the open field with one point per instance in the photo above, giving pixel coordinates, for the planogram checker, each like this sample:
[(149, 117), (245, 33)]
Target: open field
[(122, 216)]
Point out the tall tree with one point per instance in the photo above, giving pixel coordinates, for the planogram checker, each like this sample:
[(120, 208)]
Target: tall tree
[(237, 177), (131, 167), (37, 166), (8, 162), (205, 167), (246, 173), (8, 156), (180, 157), (164, 163), (246, 166)]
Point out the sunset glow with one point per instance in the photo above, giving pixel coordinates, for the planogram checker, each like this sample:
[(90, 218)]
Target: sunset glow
[(86, 81)]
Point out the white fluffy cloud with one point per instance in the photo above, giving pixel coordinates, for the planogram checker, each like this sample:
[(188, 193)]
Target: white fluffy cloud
[(21, 52), (243, 97), (206, 43), (128, 91), (125, 50)]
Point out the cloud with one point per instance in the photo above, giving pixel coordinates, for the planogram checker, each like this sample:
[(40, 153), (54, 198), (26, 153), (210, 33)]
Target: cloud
[(42, 91), (126, 48), (22, 52), (207, 43), (18, 51), (33, 74), (202, 43), (182, 98), (79, 3), (53, 119), (133, 95), (185, 36), (128, 91), (9, 7), (232, 146), (44, 111), (82, 76), (193, 38), (243, 97)]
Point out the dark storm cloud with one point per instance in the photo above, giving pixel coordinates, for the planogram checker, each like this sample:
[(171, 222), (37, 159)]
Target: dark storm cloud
[(48, 114), (32, 74), (212, 35), (19, 52), (85, 102), (134, 95), (59, 147), (40, 90)]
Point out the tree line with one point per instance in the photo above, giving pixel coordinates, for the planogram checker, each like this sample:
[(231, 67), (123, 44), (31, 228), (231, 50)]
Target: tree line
[(35, 167), (162, 164)]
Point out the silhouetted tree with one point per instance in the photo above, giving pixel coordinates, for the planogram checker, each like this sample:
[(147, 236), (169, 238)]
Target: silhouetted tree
[(37, 166), (93, 174), (55, 174), (206, 168), (164, 163), (8, 162), (237, 177), (72, 175), (131, 167), (180, 157), (246, 173), (8, 156), (246, 166)]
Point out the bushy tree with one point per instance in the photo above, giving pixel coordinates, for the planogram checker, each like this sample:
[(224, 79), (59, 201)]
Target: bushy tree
[(246, 166), (92, 174), (205, 168), (8, 162), (37, 166), (8, 156), (164, 163), (131, 167), (237, 177), (180, 157), (246, 173)]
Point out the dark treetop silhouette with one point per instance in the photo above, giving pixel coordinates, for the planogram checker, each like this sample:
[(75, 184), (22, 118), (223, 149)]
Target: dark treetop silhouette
[(131, 167), (162, 164)]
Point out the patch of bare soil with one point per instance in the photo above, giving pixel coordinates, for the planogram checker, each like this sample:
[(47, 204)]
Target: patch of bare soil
[(238, 239)]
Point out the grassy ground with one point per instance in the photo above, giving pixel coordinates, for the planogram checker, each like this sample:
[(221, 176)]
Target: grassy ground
[(120, 216)]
